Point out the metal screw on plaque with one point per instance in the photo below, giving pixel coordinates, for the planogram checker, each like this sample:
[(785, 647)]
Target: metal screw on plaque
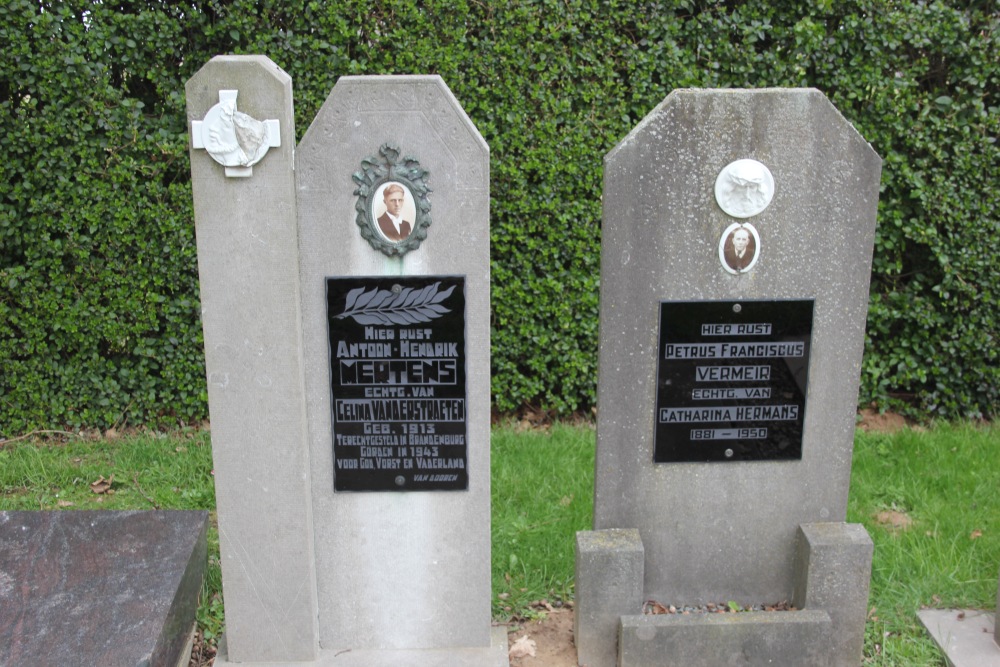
[(737, 307), (400, 480), (729, 453), (396, 289)]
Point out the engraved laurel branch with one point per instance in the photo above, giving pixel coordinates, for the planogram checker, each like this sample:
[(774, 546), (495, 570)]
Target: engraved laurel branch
[(408, 306)]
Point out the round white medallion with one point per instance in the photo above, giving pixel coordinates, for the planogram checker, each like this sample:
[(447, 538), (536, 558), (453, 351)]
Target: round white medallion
[(744, 188)]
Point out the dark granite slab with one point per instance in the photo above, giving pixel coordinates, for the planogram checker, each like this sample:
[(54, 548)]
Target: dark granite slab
[(99, 588)]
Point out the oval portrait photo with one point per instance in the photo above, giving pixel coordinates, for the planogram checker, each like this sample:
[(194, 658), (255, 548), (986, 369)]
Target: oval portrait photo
[(739, 247), (393, 211)]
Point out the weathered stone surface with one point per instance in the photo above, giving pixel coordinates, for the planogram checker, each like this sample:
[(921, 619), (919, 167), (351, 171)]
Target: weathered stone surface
[(965, 636), (397, 570), (494, 655), (249, 271), (746, 639), (718, 531), (99, 588), (833, 572), (312, 575), (609, 565), (705, 175)]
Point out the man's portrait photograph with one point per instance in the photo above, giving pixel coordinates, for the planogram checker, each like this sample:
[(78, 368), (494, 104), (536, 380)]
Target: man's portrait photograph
[(393, 211), (738, 248)]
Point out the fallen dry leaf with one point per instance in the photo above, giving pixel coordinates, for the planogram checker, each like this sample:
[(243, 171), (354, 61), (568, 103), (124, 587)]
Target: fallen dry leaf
[(976, 534), (654, 607), (522, 647), (102, 485), (65, 503)]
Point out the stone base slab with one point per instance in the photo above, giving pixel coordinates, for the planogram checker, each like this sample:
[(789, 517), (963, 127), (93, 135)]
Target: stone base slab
[(830, 582), (787, 638), (493, 656), (965, 636), (99, 587)]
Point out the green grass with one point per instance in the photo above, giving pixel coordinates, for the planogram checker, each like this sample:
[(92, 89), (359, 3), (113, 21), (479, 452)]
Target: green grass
[(542, 493), (152, 471), (945, 480)]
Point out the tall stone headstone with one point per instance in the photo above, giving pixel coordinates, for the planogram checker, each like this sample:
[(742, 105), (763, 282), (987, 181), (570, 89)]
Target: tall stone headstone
[(736, 253), (248, 269), (407, 568), (348, 365)]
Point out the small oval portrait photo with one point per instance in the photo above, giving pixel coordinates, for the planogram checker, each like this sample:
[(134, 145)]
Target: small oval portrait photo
[(739, 248), (393, 211), (744, 188)]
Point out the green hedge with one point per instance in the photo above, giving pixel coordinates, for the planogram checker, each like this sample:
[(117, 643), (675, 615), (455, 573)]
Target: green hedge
[(98, 283)]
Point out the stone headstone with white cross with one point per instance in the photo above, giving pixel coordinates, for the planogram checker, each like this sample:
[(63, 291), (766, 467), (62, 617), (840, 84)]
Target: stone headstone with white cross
[(345, 303)]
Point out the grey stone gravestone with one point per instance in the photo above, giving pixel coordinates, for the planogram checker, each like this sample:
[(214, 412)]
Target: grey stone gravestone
[(736, 251), (348, 368), (100, 588)]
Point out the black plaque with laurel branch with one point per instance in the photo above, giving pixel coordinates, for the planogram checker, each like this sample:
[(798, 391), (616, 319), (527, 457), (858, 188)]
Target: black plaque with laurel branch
[(381, 178), (397, 374)]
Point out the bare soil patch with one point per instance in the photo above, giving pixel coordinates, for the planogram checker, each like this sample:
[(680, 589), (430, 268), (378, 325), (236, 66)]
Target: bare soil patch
[(894, 520), (881, 422), (553, 638)]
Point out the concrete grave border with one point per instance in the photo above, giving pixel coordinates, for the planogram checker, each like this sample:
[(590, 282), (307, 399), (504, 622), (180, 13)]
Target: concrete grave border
[(832, 574)]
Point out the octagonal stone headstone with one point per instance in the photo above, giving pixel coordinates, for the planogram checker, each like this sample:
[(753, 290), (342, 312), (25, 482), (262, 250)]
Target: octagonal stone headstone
[(725, 530)]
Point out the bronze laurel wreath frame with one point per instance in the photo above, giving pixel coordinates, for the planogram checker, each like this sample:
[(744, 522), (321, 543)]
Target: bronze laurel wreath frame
[(378, 170)]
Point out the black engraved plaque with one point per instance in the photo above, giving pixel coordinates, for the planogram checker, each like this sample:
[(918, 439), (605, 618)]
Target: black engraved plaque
[(731, 380), (397, 373)]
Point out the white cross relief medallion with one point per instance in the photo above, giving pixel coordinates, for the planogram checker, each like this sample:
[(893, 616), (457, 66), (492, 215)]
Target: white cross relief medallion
[(744, 188), (232, 138)]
